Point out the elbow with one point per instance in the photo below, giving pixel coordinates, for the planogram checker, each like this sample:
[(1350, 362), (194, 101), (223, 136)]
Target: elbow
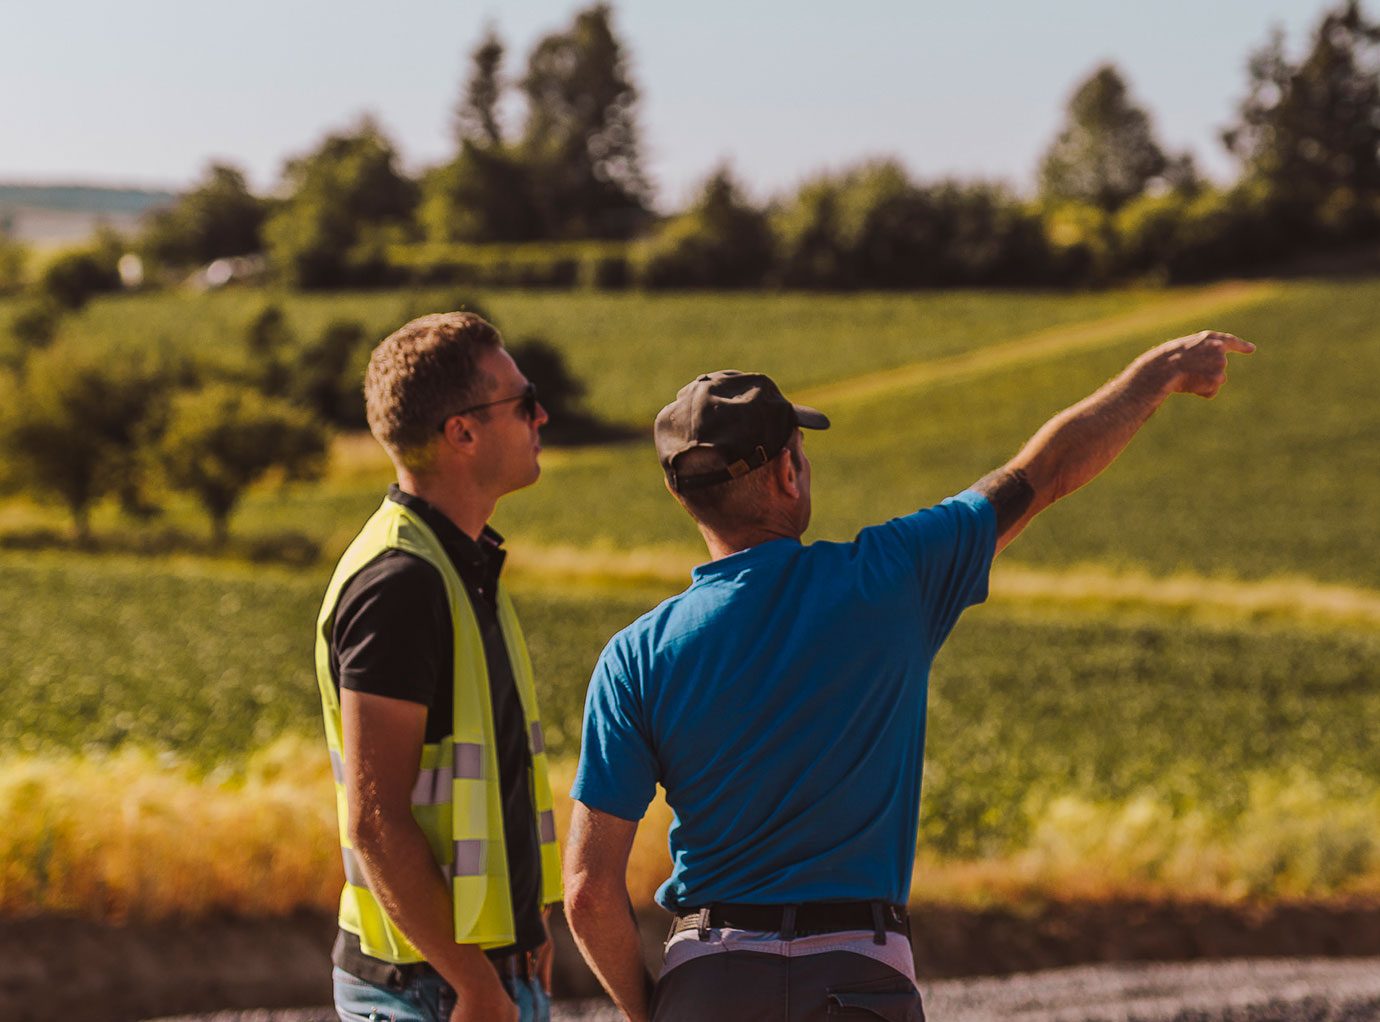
[(585, 901), (367, 830)]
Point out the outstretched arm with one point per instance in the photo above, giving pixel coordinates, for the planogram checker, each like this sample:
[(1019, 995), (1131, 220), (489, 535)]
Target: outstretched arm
[(598, 910), (1078, 443)]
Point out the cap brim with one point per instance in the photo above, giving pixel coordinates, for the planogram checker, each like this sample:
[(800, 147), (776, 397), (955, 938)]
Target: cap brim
[(811, 418)]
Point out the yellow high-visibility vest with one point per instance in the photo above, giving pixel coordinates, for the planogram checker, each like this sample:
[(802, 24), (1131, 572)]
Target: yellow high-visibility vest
[(457, 801)]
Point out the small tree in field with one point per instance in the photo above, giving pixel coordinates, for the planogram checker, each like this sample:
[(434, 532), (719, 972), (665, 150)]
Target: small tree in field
[(74, 430), (221, 438)]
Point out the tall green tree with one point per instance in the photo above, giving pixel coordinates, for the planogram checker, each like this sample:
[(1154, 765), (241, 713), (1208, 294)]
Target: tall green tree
[(218, 217), (721, 241), (1311, 130), (581, 138), (1106, 152), (485, 193), (347, 200), (477, 116)]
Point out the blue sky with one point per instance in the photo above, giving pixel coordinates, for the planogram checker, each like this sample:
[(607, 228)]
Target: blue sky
[(147, 91)]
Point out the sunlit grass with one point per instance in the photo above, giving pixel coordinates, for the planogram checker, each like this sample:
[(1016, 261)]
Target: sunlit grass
[(1297, 837), (136, 835), (633, 350)]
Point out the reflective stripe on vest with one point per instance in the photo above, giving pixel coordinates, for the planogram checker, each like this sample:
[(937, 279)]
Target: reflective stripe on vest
[(456, 799)]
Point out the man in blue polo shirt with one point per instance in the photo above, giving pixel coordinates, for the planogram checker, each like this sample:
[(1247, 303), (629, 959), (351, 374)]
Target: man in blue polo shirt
[(780, 700)]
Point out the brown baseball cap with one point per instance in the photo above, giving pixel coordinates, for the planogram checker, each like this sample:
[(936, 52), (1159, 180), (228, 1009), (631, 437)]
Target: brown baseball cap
[(743, 416)]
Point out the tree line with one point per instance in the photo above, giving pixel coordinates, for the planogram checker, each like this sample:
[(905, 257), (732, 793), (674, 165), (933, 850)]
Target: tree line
[(1112, 203)]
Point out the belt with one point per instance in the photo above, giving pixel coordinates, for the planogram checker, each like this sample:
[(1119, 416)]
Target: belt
[(395, 976), (791, 921)]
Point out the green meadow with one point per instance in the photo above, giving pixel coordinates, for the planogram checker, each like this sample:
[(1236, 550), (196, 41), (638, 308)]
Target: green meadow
[(1057, 726)]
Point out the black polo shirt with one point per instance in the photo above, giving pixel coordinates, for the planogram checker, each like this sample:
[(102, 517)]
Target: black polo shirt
[(392, 636)]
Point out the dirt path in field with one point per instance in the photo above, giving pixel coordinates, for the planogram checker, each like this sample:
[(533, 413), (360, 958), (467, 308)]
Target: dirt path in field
[(1045, 344)]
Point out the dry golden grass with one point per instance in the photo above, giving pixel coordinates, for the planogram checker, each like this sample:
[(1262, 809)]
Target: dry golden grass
[(1300, 599), (135, 836), (1295, 840)]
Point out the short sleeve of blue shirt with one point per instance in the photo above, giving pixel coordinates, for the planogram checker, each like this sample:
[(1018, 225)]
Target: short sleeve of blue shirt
[(618, 771), (951, 546)]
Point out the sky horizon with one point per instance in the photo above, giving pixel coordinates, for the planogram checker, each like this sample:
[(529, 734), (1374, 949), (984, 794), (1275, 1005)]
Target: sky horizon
[(148, 93)]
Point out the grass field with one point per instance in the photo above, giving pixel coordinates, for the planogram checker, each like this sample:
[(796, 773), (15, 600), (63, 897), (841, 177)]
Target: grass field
[(1174, 689), (631, 348), (1279, 476)]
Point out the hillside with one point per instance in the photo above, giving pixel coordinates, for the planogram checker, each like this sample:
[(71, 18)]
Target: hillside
[(51, 215), (77, 198)]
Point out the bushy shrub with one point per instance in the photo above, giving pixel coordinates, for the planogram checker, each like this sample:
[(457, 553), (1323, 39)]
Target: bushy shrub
[(73, 278), (348, 205), (561, 393), (328, 374), (75, 430), (810, 248), (221, 438), (35, 324), (217, 217), (874, 227), (1215, 233), (722, 241), (538, 264)]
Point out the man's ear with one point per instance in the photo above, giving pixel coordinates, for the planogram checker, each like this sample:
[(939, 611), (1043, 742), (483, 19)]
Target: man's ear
[(457, 434), (785, 473)]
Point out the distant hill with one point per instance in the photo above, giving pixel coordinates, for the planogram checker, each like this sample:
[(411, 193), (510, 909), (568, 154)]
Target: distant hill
[(84, 198), (53, 214)]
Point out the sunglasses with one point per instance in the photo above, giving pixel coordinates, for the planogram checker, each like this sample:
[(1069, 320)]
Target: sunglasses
[(528, 407)]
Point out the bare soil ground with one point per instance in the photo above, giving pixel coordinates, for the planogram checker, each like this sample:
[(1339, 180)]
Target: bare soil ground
[(53, 969), (1311, 990)]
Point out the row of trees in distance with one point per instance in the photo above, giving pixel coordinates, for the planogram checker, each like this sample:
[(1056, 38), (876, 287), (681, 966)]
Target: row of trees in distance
[(522, 207)]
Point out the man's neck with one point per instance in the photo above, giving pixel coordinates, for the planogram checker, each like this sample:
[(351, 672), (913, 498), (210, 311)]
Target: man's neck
[(725, 544), (468, 509)]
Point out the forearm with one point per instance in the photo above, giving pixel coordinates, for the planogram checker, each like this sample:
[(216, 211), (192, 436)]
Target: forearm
[(409, 884), (1077, 444), (606, 933)]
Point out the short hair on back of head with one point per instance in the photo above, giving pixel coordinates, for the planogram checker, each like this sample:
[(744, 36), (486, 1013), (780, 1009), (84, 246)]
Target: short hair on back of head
[(733, 503), (423, 372)]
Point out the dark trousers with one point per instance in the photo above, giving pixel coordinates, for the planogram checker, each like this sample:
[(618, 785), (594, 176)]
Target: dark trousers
[(751, 986)]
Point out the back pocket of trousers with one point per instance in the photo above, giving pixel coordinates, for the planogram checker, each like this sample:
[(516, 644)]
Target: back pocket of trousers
[(897, 1006)]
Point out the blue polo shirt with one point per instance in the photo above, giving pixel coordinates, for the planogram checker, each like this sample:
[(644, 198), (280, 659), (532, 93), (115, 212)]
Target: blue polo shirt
[(780, 700)]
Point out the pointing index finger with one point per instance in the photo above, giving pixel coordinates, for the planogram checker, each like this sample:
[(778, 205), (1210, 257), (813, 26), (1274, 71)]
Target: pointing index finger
[(1233, 343)]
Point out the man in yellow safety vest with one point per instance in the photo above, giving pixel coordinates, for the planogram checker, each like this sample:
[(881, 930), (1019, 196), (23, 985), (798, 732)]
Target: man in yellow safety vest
[(446, 825)]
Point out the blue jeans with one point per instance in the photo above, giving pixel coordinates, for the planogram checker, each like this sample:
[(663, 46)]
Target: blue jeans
[(427, 998)]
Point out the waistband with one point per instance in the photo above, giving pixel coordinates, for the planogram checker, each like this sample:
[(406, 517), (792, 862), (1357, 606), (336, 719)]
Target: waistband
[(791, 921), (346, 955)]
